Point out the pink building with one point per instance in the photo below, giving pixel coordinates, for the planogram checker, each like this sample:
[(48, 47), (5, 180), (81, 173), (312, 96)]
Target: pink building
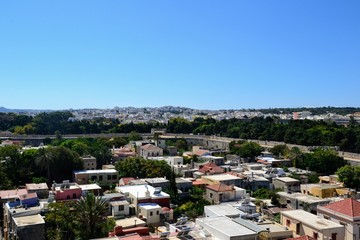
[(66, 191)]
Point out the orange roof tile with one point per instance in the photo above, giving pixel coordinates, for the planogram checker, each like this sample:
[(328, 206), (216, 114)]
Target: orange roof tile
[(150, 147), (349, 207), (199, 182), (12, 193), (127, 179), (301, 238), (220, 187), (210, 168)]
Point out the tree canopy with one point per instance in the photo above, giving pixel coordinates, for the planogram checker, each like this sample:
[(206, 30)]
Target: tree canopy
[(350, 176), (138, 167)]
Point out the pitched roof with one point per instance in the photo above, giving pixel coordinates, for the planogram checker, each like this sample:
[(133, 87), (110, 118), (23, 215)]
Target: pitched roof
[(126, 180), (210, 168), (220, 187), (150, 147), (349, 207), (306, 237), (6, 194), (202, 152)]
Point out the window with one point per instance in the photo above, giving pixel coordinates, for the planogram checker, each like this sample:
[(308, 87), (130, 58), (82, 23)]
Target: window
[(157, 212), (100, 178), (297, 228), (211, 195), (151, 213), (74, 195), (114, 177), (108, 177), (315, 235), (333, 236), (288, 222), (121, 208)]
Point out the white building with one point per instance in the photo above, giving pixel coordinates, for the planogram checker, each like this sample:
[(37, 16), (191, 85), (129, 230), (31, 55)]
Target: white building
[(120, 208), (102, 176), (346, 213), (226, 229), (304, 223), (149, 150), (151, 211)]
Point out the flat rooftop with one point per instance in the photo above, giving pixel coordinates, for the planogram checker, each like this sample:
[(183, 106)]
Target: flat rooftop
[(139, 191), (287, 179), (149, 206), (87, 187), (311, 219), (28, 220), (225, 226), (302, 197), (96, 171), (156, 180), (223, 210), (36, 186), (130, 222), (221, 177), (119, 203)]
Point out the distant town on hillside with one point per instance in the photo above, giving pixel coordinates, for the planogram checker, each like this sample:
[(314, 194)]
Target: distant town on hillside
[(340, 115)]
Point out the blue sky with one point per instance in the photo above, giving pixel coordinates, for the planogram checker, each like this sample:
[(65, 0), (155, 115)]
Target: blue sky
[(200, 54)]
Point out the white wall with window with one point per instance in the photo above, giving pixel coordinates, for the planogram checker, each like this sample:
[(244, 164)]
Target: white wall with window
[(151, 211), (119, 208)]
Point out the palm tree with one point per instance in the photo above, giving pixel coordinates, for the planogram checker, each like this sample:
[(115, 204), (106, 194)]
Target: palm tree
[(91, 216), (43, 160)]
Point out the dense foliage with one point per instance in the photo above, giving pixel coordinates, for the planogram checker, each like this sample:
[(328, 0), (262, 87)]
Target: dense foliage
[(84, 219), (138, 167), (18, 168), (302, 132), (49, 123), (350, 176), (245, 149), (320, 161), (194, 205)]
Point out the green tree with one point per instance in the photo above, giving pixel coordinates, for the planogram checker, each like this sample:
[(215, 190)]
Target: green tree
[(350, 176), (58, 162), (10, 157), (321, 161), (91, 217), (250, 150), (141, 168), (44, 159), (134, 136), (281, 150), (60, 221)]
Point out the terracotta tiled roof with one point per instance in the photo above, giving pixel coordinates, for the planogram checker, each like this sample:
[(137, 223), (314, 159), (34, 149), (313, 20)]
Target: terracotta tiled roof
[(202, 152), (127, 179), (349, 207), (198, 182), (301, 238), (28, 196), (211, 168), (149, 147), (220, 187), (12, 193)]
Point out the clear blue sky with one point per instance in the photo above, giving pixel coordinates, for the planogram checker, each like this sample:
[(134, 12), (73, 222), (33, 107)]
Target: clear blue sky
[(199, 54)]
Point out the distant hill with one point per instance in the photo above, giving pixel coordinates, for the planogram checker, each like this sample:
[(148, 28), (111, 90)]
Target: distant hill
[(8, 110)]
